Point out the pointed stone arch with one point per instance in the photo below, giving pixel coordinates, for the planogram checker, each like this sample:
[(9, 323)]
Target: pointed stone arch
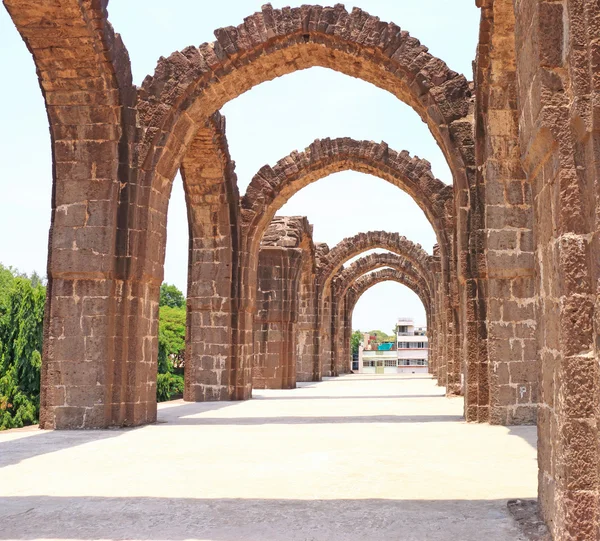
[(330, 264), (368, 281), (352, 246), (274, 185), (342, 315)]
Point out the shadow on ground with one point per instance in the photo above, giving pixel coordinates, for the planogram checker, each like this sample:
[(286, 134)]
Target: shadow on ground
[(527, 433), (32, 442), (296, 420), (87, 518)]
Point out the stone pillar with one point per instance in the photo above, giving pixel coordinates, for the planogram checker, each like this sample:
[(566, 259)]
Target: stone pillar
[(557, 81), (343, 330), (509, 284), (325, 334), (213, 265), (307, 364), (276, 318), (435, 331), (93, 374)]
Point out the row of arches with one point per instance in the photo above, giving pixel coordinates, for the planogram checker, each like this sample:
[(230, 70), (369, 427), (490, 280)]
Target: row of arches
[(511, 288)]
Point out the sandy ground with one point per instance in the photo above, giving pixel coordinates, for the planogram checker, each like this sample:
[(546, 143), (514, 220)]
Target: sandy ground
[(359, 457)]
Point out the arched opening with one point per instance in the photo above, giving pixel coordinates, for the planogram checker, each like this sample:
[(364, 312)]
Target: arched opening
[(172, 107), (360, 272), (403, 318)]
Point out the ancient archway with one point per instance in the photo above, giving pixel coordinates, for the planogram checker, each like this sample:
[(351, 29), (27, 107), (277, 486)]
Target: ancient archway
[(127, 145), (274, 185), (331, 262), (369, 280), (342, 315), (192, 84)]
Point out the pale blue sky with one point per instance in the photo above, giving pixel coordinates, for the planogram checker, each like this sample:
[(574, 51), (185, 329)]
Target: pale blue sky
[(263, 125)]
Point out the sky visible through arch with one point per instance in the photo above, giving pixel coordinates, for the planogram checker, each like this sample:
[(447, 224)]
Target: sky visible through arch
[(263, 126)]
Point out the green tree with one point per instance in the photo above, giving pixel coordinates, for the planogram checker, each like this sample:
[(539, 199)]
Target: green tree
[(171, 332), (355, 341), (381, 337), (21, 322), (171, 296), (171, 352)]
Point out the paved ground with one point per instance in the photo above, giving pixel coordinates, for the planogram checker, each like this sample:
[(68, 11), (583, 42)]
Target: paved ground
[(367, 458)]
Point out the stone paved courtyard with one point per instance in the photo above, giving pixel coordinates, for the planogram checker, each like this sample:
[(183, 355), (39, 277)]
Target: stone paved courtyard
[(353, 458)]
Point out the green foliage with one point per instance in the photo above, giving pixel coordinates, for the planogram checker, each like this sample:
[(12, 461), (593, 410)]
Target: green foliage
[(171, 351), (381, 337), (21, 321), (171, 333), (355, 341), (168, 386), (171, 296)]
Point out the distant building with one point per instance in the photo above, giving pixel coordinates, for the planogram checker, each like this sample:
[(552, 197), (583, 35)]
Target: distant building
[(408, 354), (412, 347)]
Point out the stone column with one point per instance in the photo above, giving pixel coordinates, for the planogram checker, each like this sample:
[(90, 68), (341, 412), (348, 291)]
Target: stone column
[(213, 264), (276, 318), (307, 368), (325, 334)]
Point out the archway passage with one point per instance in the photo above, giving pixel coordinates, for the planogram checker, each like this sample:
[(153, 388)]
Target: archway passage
[(117, 149), (331, 263), (355, 273), (272, 186), (388, 274), (192, 84)]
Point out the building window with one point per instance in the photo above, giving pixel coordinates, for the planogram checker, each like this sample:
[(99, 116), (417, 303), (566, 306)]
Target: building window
[(412, 362), (390, 363), (368, 363)]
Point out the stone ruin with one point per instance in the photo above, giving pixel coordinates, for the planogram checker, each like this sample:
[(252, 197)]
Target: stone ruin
[(510, 290)]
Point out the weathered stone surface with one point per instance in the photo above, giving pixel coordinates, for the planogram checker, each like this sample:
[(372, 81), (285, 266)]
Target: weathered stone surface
[(511, 288)]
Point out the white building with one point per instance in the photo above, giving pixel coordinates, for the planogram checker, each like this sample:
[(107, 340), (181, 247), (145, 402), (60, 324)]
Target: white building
[(412, 347), (408, 355), (377, 361)]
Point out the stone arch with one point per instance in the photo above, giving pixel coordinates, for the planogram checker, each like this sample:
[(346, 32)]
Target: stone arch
[(148, 131), (192, 84), (196, 82), (368, 281), (347, 277), (273, 186), (362, 242), (332, 262)]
